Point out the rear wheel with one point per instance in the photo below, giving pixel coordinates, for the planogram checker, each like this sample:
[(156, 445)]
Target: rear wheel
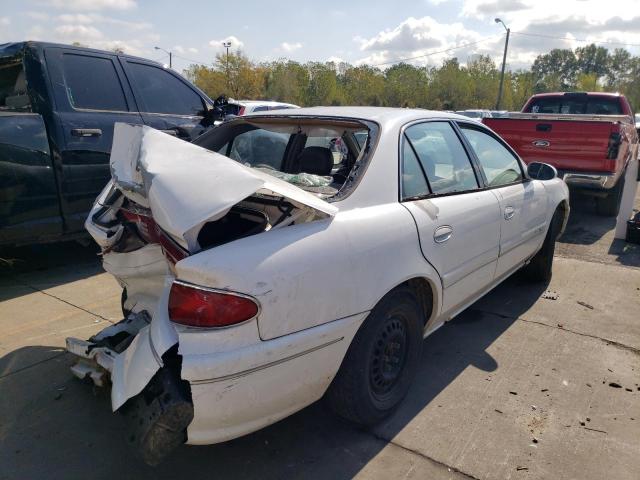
[(381, 361), (609, 206), (540, 267)]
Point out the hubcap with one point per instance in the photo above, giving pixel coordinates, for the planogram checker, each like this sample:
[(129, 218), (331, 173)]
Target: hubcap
[(388, 356)]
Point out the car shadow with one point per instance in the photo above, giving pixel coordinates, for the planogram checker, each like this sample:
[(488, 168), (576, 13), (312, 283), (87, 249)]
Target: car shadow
[(54, 425), (52, 264), (585, 226)]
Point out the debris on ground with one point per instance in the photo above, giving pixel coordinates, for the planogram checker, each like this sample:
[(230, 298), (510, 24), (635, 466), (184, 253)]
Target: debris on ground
[(615, 385), (513, 393), (589, 385), (595, 430), (628, 390), (521, 468), (550, 295), (499, 411), (560, 325), (582, 424), (586, 305), (544, 390)]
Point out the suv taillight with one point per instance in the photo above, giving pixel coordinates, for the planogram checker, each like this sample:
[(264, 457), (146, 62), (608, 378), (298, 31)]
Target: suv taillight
[(615, 140), (196, 307)]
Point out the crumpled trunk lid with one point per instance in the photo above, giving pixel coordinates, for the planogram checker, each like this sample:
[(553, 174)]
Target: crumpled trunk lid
[(186, 186)]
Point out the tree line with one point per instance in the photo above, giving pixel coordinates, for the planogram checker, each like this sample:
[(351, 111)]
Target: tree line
[(450, 86)]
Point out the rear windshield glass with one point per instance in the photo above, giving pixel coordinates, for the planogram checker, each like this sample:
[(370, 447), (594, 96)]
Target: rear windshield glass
[(316, 156), (576, 105), (13, 88)]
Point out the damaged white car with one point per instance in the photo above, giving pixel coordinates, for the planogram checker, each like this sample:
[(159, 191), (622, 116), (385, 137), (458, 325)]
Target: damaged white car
[(300, 254)]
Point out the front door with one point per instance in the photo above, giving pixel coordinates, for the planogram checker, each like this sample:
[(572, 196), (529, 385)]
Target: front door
[(166, 101), (458, 223), (523, 202)]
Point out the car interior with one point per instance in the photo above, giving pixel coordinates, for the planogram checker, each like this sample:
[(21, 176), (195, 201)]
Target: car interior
[(315, 156)]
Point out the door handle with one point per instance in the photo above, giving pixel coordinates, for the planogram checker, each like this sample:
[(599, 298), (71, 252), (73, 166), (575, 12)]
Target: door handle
[(509, 212), (442, 234), (86, 132)]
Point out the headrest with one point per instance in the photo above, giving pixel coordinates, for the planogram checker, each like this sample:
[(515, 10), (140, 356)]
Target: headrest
[(316, 160)]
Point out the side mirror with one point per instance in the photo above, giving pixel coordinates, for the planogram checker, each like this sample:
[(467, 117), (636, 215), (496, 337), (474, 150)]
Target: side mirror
[(541, 171)]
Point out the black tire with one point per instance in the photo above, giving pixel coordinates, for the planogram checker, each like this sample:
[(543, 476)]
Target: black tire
[(609, 206), (123, 299), (540, 267), (381, 362)]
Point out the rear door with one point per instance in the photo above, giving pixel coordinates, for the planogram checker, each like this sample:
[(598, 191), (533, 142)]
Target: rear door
[(458, 222), (90, 95), (523, 202), (166, 101)]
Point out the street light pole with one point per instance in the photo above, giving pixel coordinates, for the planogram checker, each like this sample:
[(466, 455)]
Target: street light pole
[(504, 62), (227, 45), (168, 52)]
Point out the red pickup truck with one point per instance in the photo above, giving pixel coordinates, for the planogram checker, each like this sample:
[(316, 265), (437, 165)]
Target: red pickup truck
[(588, 137)]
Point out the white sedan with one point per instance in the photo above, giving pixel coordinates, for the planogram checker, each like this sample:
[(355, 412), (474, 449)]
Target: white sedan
[(295, 255)]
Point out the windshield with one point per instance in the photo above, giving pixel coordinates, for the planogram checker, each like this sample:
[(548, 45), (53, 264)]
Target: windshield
[(316, 155), (576, 105)]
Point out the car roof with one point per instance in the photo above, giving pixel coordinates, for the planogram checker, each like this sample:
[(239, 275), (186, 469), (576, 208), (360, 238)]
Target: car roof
[(375, 114)]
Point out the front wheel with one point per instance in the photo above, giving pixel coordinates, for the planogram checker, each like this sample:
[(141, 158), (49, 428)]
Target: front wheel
[(540, 267), (381, 362)]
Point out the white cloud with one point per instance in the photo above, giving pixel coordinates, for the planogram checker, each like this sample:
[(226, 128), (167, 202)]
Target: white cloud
[(336, 60), (424, 37), (290, 47), (5, 21), (78, 33), (93, 5), (179, 49), (88, 18), (236, 43)]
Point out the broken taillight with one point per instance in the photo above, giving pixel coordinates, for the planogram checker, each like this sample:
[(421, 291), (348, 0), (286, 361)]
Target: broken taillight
[(151, 233), (198, 307)]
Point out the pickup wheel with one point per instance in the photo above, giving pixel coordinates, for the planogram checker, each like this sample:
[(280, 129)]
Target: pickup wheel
[(381, 362), (540, 267), (609, 206)]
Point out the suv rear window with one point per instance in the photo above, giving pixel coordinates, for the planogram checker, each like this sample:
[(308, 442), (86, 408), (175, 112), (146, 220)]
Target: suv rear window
[(576, 105), (13, 88)]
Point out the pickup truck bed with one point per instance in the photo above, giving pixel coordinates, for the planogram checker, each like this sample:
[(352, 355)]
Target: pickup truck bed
[(590, 151)]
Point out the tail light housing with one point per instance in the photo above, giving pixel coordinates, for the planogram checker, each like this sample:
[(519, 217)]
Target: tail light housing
[(201, 307), (615, 140), (151, 233)]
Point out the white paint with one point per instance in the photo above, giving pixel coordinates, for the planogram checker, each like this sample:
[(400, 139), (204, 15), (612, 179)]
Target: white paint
[(315, 281), (628, 199)]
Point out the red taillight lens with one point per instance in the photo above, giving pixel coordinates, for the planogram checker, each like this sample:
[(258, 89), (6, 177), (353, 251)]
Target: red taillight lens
[(202, 308)]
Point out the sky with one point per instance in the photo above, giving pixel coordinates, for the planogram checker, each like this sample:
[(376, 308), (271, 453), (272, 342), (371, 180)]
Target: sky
[(372, 32)]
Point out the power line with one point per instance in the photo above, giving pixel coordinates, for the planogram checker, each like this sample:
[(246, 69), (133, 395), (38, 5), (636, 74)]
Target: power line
[(457, 47), (191, 60), (576, 39)]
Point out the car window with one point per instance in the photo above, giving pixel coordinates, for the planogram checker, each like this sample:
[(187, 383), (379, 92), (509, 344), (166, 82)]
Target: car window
[(442, 157), (414, 183), (161, 92), (576, 105), (260, 148), (499, 165), (93, 83)]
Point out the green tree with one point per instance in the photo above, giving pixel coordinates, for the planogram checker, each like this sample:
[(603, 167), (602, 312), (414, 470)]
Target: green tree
[(556, 70), (405, 86)]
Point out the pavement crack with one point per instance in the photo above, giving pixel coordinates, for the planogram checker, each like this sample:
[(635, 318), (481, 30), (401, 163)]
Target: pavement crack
[(26, 367), (608, 341), (97, 315), (421, 455)]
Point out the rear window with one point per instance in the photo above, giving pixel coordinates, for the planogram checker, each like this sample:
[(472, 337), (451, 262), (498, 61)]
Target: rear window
[(92, 83), (13, 88), (576, 105), (317, 157)]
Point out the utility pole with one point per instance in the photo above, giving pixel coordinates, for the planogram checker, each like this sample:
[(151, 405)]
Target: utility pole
[(168, 52), (504, 62), (227, 45)]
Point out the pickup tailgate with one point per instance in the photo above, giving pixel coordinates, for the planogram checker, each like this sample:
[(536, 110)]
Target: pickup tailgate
[(573, 145)]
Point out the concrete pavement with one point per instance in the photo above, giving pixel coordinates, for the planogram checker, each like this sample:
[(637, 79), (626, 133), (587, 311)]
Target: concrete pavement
[(518, 386)]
